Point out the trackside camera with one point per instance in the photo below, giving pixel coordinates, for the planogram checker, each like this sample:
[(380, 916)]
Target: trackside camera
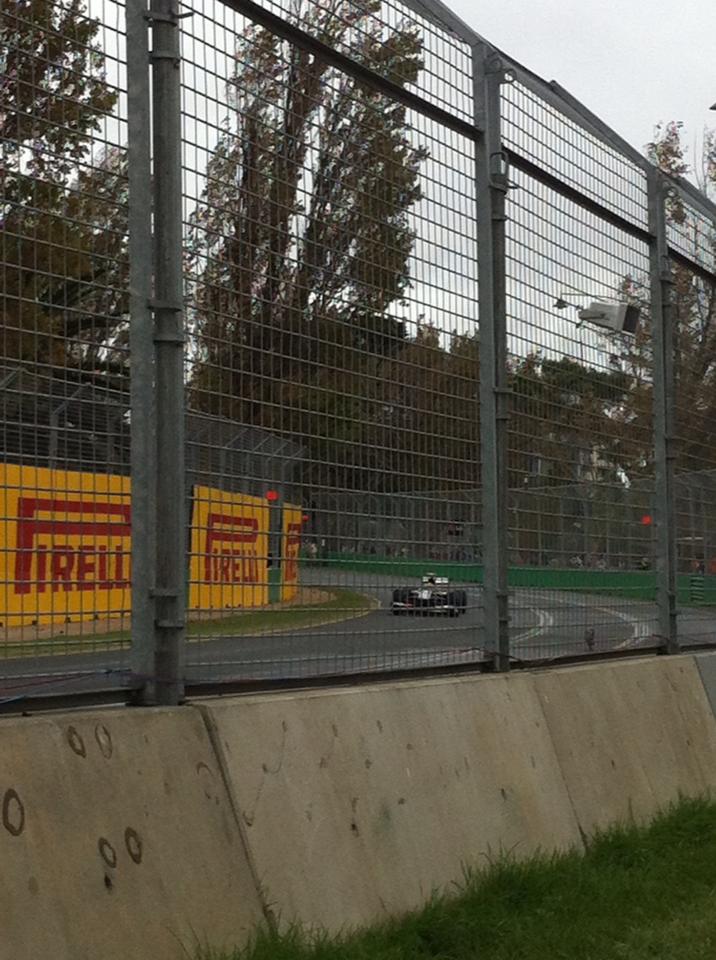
[(617, 317)]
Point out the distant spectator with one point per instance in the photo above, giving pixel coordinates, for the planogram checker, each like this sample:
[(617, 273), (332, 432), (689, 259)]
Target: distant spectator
[(312, 550)]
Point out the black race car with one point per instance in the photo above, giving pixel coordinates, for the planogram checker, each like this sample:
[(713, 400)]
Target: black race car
[(434, 595)]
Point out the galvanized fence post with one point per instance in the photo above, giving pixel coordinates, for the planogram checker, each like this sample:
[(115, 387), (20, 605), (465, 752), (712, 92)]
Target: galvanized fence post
[(168, 307), (491, 184), (661, 282), (159, 548), (143, 439)]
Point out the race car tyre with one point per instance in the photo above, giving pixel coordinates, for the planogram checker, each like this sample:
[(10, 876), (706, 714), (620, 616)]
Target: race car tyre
[(399, 596)]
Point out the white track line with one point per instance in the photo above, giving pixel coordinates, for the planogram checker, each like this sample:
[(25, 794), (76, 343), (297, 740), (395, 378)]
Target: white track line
[(545, 620)]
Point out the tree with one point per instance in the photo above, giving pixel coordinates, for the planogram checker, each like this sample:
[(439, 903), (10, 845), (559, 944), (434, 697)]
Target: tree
[(562, 425), (694, 304), (420, 424), (62, 202), (301, 241), (608, 414)]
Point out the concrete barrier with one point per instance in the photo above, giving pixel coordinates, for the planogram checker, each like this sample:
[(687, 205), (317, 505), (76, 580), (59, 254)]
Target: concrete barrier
[(630, 737), (117, 839), (129, 833), (359, 803), (706, 665)]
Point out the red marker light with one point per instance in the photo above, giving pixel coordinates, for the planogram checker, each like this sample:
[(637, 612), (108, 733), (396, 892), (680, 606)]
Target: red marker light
[(272, 496), (305, 518), (646, 520)]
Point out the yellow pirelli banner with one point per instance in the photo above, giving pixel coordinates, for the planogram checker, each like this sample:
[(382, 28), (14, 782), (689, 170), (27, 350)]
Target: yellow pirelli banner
[(291, 536), (229, 551), (65, 546)]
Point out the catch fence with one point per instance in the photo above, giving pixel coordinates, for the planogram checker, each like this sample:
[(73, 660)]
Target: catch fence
[(292, 317)]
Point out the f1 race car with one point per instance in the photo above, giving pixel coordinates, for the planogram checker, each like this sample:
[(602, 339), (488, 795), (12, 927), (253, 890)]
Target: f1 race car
[(433, 596)]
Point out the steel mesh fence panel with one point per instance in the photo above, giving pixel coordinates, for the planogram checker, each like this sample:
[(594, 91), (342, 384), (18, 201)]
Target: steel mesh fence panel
[(694, 301), (332, 294), (539, 132), (580, 467), (691, 232), (343, 414), (64, 369), (363, 30)]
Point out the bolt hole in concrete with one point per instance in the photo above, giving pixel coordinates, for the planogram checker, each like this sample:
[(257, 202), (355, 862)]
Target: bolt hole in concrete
[(76, 742), (104, 740), (13, 813), (107, 852), (133, 843)]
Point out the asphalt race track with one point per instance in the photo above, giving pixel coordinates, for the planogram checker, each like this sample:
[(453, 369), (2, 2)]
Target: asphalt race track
[(545, 625)]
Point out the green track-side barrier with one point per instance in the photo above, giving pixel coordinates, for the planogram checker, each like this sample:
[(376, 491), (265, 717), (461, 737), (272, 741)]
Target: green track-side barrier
[(628, 584), (697, 589)]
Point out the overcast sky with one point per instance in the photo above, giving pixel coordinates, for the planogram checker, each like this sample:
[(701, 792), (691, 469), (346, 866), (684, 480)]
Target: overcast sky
[(633, 62)]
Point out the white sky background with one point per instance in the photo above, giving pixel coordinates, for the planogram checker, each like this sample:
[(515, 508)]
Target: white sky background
[(632, 62)]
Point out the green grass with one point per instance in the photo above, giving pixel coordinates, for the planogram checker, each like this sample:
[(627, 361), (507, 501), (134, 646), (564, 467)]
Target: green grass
[(637, 894), (341, 605)]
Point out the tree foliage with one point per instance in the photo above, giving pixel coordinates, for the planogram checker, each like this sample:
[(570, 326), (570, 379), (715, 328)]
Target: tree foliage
[(300, 246), (572, 421), (62, 202), (564, 421), (694, 312)]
